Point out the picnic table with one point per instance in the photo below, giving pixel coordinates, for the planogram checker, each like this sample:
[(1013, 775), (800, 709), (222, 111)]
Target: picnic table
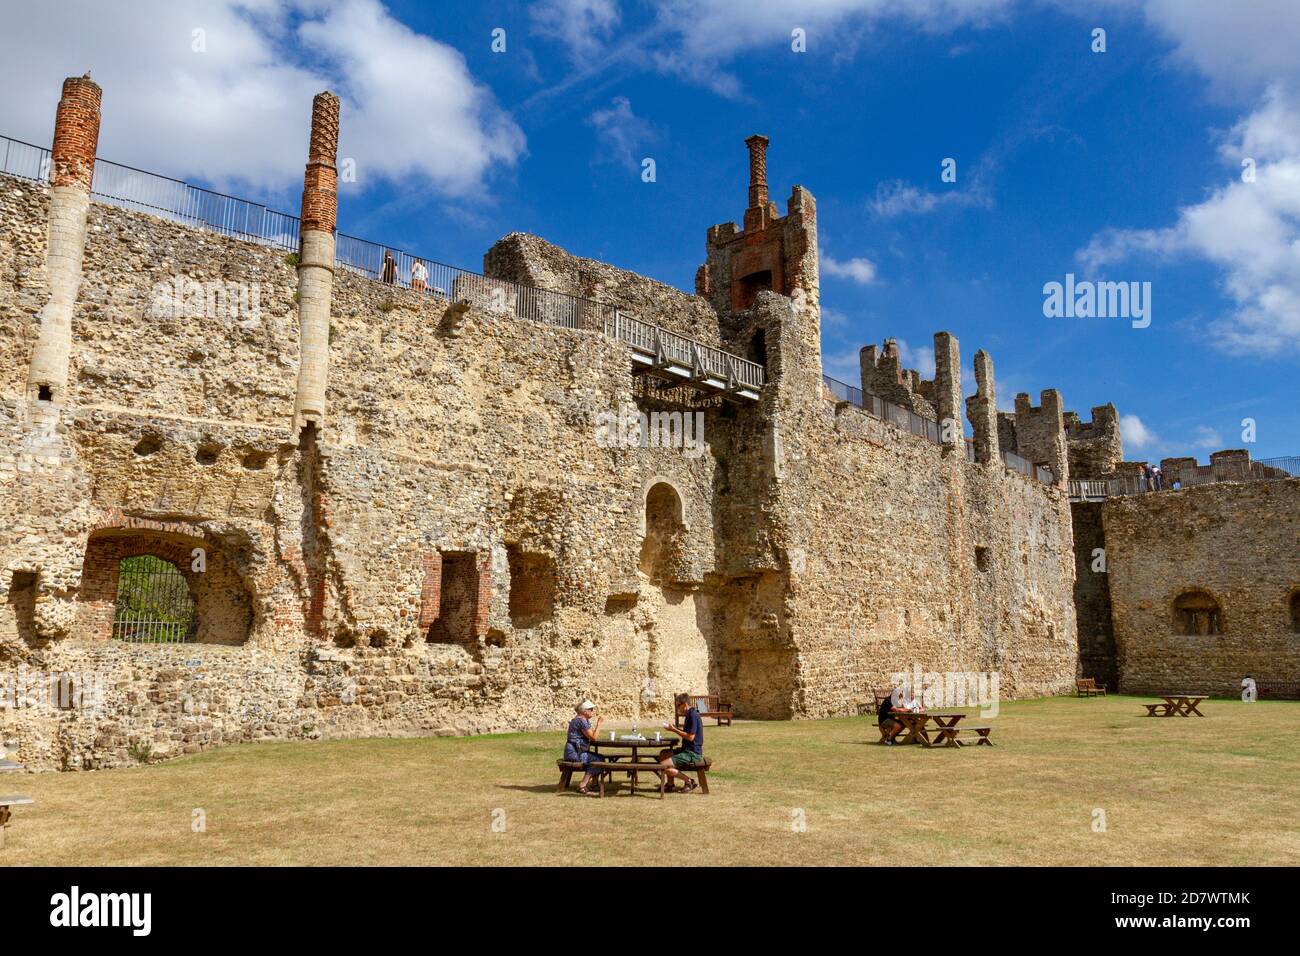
[(919, 733), (1176, 705), (634, 746), (944, 733)]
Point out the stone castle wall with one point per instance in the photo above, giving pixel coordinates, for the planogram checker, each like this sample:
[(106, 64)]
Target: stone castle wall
[(399, 514), (1233, 542)]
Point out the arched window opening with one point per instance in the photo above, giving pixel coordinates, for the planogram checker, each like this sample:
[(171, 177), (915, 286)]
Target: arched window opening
[(154, 602), (1197, 612), (664, 528)]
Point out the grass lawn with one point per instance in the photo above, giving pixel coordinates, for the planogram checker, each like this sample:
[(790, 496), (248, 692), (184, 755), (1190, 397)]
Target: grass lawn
[(1175, 791)]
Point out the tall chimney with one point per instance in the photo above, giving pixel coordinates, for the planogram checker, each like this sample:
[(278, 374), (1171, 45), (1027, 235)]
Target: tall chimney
[(76, 140), (757, 171), (316, 262)]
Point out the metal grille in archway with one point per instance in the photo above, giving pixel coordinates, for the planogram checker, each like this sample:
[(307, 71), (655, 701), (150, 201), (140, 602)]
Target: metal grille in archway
[(154, 602)]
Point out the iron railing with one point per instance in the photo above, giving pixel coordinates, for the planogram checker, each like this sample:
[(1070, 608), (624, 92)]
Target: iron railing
[(1262, 470), (178, 201), (923, 427), (154, 604)]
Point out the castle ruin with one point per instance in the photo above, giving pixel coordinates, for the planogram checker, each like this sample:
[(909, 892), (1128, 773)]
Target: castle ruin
[(386, 506)]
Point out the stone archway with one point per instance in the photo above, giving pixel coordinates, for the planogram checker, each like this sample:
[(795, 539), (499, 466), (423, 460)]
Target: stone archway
[(222, 606)]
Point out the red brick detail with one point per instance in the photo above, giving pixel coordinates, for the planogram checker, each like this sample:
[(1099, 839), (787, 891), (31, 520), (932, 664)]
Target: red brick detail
[(483, 602), (757, 172), (76, 133), (116, 519), (320, 200), (99, 572), (431, 590)]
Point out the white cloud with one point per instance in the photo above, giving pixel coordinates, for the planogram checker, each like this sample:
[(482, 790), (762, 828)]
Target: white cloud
[(921, 358), (238, 114), (1251, 230), (858, 269), (622, 133), (1240, 47), (583, 26), (898, 198), (1136, 435), (1207, 437), (702, 35)]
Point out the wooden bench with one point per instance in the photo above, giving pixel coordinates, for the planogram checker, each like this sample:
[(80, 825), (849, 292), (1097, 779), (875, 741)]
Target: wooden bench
[(12, 800), (1157, 710), (710, 705), (606, 769), (981, 732), (1087, 687), (878, 696)]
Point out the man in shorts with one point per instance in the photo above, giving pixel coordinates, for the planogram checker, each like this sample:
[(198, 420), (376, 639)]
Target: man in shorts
[(691, 753)]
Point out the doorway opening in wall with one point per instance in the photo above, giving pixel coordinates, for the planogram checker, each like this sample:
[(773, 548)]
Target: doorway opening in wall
[(1197, 612), (1295, 610), (532, 586), (664, 529), (457, 600), (982, 560), (758, 348), (154, 602), (22, 597), (751, 285)]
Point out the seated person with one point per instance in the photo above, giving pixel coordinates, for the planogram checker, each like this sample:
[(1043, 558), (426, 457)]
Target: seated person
[(889, 724), (577, 745), (691, 753)]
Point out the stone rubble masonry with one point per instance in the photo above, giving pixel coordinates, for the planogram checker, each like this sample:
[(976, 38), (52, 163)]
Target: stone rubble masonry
[(1040, 433), (76, 139), (947, 381), (316, 261), (809, 553), (982, 409), (882, 374), (1095, 447), (1236, 541)]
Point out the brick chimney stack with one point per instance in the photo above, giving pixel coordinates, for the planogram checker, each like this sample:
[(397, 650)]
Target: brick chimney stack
[(320, 197), (316, 262), (757, 171), (76, 140)]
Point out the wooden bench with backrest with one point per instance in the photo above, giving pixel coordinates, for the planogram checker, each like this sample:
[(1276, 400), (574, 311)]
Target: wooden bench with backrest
[(15, 800), (1087, 687), (710, 705), (605, 770)]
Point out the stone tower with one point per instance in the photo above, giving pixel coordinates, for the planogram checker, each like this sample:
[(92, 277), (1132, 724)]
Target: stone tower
[(772, 253)]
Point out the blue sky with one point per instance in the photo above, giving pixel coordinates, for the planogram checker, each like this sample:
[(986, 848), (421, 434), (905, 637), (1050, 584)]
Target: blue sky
[(1123, 165)]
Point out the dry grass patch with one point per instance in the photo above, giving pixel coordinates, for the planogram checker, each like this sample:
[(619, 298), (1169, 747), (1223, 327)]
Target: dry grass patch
[(1214, 791)]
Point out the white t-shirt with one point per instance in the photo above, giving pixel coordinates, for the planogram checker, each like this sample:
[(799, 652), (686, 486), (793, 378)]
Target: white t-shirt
[(419, 272)]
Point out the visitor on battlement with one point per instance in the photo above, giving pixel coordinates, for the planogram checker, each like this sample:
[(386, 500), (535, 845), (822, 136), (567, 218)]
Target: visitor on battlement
[(419, 276), (691, 753), (1158, 477), (577, 745), (389, 273)]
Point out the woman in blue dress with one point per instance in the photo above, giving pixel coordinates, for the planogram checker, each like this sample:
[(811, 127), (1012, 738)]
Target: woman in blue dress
[(577, 746)]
